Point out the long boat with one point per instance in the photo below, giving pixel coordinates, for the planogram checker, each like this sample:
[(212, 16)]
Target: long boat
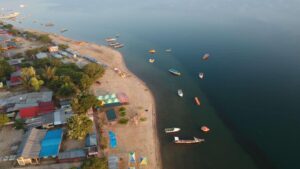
[(180, 92), (172, 130), (192, 141), (197, 101), (174, 72), (201, 75), (205, 56), (110, 39)]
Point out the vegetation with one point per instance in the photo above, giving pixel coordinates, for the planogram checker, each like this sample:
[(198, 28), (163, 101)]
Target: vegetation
[(63, 46), (3, 119), (95, 163), (79, 126), (32, 52), (19, 124), (82, 103), (93, 70), (123, 120), (44, 38), (122, 111), (143, 118), (30, 79), (5, 69)]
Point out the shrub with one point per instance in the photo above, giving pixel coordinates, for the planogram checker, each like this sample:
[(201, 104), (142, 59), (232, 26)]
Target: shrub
[(19, 124), (63, 46), (123, 120), (143, 118), (122, 109), (3, 119)]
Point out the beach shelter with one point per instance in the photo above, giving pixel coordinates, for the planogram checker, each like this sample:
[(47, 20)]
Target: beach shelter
[(116, 100), (109, 101), (113, 96), (143, 161), (100, 97), (106, 97), (132, 157)]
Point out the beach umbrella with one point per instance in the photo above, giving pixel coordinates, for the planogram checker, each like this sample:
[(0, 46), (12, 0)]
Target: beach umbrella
[(113, 96), (132, 157), (143, 161), (109, 101), (100, 97), (106, 96), (116, 100)]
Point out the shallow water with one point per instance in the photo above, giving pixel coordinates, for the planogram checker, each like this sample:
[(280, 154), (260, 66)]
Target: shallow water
[(251, 91)]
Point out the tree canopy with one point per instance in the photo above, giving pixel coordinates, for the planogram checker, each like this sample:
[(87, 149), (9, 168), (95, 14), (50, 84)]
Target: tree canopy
[(79, 126), (82, 103), (93, 70), (5, 69), (3, 119), (30, 79)]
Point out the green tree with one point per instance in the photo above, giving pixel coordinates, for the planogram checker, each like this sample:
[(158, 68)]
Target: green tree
[(3, 119), (5, 69), (82, 103), (63, 46), (44, 38), (19, 124), (30, 79), (79, 126), (93, 70), (95, 163), (85, 82), (48, 73)]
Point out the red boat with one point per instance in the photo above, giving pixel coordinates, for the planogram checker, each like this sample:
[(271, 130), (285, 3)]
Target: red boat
[(197, 101)]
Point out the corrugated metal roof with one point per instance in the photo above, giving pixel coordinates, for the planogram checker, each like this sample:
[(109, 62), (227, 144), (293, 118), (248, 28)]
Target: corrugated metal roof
[(72, 154)]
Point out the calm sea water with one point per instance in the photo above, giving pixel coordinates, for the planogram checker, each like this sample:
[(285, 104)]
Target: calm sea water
[(251, 91)]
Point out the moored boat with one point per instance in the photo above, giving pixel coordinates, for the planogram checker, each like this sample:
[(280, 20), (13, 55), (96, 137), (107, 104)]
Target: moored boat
[(151, 60), (168, 50), (201, 75), (110, 39), (197, 101), (63, 30), (118, 46), (205, 129), (10, 16), (152, 51), (172, 130), (205, 56), (180, 92), (174, 72), (192, 141)]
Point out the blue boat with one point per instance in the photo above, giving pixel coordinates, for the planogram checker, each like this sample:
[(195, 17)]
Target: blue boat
[(174, 72)]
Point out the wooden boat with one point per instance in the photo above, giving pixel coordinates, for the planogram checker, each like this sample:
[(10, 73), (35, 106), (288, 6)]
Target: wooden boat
[(63, 30), (151, 60), (180, 93), (174, 72), (118, 46), (110, 39), (152, 51), (172, 130), (168, 50), (201, 75), (205, 129), (50, 24), (197, 101), (192, 141), (205, 56)]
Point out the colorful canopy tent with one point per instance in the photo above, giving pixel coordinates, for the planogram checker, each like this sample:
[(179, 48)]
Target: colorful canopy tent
[(143, 161), (132, 157), (112, 139), (113, 99)]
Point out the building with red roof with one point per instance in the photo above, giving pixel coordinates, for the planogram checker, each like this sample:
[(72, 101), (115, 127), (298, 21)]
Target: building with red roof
[(42, 108)]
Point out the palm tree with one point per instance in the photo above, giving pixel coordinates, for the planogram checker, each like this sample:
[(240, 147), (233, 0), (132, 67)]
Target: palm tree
[(49, 73)]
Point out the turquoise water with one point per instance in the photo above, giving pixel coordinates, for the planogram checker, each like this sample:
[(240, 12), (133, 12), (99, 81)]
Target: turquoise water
[(251, 91)]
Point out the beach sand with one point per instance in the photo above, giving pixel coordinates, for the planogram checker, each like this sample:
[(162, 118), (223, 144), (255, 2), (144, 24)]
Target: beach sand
[(136, 136)]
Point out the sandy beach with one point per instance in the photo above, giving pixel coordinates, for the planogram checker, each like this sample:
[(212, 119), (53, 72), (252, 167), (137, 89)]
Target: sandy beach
[(137, 136)]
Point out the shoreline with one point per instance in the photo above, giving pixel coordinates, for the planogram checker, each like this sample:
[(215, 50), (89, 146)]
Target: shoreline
[(86, 47)]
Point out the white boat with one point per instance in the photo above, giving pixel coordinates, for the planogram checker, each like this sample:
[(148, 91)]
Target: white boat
[(180, 93), (172, 130), (192, 141), (110, 39), (205, 56), (63, 30), (201, 75), (151, 60), (10, 16), (168, 50)]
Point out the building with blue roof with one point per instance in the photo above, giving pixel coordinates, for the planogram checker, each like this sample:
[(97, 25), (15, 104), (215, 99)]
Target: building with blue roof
[(50, 145)]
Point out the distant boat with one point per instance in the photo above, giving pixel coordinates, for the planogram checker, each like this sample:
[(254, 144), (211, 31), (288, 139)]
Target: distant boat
[(49, 24), (151, 60), (174, 72), (168, 50), (117, 35), (180, 93), (192, 141), (10, 16), (63, 30), (22, 6), (118, 46), (172, 130), (205, 129), (201, 75), (110, 39), (197, 101), (152, 51), (205, 56)]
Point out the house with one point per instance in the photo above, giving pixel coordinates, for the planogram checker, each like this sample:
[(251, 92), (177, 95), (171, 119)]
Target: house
[(71, 156), (33, 111), (53, 49), (91, 144), (50, 144), (30, 147), (41, 55), (56, 55), (111, 116), (15, 79)]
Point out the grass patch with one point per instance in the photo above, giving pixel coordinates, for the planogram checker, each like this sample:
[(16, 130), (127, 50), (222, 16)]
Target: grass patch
[(123, 120), (143, 118)]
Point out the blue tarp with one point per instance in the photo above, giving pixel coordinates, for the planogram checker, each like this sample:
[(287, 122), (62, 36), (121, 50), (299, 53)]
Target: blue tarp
[(51, 143), (112, 139)]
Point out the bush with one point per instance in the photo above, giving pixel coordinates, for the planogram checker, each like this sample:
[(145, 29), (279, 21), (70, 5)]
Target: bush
[(143, 118), (123, 113), (122, 109), (63, 46), (3, 119), (95, 163), (19, 124), (44, 38), (123, 120)]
